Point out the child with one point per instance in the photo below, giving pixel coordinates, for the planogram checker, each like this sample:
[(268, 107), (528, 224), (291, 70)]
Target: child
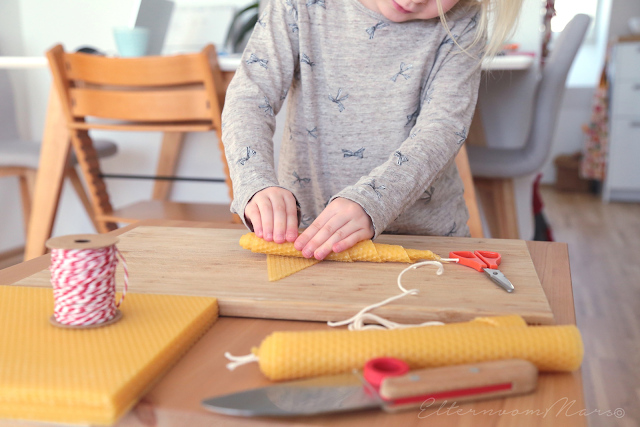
[(381, 96)]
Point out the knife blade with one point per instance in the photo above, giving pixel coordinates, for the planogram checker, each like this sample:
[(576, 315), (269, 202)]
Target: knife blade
[(305, 397), (351, 392)]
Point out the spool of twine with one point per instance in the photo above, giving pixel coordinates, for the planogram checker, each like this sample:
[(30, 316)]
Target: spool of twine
[(83, 269)]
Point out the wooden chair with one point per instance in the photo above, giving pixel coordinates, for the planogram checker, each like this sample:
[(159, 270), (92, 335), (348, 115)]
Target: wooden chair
[(520, 117), (171, 94), (475, 222), (19, 158)]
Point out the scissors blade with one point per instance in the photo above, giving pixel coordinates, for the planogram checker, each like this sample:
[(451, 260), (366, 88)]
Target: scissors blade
[(499, 279)]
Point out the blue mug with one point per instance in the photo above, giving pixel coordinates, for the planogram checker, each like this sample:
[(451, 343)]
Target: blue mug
[(130, 41)]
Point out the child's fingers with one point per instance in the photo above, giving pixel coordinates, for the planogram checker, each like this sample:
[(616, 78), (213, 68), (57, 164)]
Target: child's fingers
[(340, 235), (308, 234), (334, 226), (279, 218), (252, 212), (292, 218), (266, 213), (351, 240)]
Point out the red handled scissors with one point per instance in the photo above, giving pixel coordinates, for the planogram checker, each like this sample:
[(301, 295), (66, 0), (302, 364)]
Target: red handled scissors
[(484, 261)]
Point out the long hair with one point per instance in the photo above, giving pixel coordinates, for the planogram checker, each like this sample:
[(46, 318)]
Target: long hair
[(504, 16)]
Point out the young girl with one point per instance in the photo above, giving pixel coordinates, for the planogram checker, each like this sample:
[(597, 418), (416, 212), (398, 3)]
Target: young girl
[(381, 95)]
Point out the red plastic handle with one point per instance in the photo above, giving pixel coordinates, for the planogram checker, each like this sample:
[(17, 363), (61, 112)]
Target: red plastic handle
[(492, 259), (469, 259), (376, 370)]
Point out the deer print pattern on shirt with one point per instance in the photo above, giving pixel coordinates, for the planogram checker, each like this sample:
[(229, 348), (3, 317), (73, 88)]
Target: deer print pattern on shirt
[(338, 100), (401, 158), (372, 30), (462, 135), (313, 132), (403, 69), (320, 3), (306, 60), (300, 181), (429, 95), (268, 109), (261, 20), (249, 154), (253, 59), (375, 188), (293, 9), (357, 154)]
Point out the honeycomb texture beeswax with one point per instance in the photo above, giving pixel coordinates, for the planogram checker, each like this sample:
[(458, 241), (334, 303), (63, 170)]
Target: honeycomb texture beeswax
[(90, 376), (279, 267), (363, 251), (290, 355)]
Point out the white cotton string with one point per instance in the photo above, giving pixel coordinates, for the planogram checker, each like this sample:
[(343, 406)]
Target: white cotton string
[(364, 320), (239, 360)]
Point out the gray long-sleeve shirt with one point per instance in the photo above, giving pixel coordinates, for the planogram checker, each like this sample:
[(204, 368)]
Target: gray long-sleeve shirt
[(377, 112)]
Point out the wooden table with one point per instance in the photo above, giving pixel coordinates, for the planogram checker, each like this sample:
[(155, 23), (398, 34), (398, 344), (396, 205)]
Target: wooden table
[(201, 373)]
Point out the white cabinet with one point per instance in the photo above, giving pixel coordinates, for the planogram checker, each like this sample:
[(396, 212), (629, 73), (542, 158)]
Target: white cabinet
[(623, 164)]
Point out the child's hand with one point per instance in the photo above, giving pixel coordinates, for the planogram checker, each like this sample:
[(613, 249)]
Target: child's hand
[(273, 214), (341, 225)]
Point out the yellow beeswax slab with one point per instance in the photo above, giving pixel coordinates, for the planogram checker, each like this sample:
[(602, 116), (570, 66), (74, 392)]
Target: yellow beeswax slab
[(279, 267), (301, 354), (90, 376)]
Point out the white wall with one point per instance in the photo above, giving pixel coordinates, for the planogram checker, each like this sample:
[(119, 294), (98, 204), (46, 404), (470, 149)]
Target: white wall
[(10, 44)]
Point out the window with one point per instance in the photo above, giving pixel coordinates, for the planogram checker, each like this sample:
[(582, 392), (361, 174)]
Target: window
[(567, 9)]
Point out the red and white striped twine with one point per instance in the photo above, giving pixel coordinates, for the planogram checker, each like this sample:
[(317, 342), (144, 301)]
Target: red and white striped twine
[(84, 285)]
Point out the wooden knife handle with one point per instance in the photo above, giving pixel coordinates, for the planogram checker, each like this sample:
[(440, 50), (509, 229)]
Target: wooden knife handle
[(462, 383)]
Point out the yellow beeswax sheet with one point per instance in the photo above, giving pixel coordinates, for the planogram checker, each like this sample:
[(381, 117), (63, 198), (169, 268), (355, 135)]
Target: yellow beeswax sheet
[(279, 267), (90, 376), (365, 251)]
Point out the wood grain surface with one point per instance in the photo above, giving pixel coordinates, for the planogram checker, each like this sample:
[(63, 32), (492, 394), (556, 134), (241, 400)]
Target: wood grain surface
[(210, 262), (175, 400)]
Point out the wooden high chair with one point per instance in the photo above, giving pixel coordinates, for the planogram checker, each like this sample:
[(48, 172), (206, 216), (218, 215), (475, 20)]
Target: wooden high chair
[(171, 94)]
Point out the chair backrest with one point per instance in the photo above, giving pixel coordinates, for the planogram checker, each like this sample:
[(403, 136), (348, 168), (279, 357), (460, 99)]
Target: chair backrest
[(184, 91), (507, 103), (8, 125), (552, 88)]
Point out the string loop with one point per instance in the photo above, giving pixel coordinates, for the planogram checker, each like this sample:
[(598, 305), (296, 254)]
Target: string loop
[(364, 320)]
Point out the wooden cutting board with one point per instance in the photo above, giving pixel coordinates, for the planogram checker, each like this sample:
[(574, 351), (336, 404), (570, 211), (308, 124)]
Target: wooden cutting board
[(210, 262)]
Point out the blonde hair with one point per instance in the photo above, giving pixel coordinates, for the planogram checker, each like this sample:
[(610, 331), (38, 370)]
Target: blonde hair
[(504, 14)]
